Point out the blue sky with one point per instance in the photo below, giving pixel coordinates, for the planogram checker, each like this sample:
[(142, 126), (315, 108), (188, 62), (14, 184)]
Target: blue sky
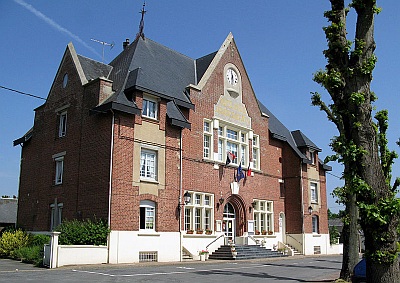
[(280, 41)]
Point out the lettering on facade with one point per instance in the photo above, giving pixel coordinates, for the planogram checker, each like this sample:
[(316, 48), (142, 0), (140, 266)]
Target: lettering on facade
[(232, 110)]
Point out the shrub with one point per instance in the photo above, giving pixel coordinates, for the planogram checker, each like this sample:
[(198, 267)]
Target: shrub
[(10, 241), (87, 232), (39, 240), (31, 254)]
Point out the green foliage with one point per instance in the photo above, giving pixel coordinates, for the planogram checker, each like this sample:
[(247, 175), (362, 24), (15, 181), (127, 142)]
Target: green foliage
[(83, 232), (31, 254), (39, 240), (333, 235), (347, 78), (10, 241)]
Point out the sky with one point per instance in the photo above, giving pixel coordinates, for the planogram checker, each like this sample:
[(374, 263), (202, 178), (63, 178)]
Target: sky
[(280, 42)]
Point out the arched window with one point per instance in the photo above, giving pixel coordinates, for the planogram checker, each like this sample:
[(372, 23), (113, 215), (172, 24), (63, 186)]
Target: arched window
[(147, 215)]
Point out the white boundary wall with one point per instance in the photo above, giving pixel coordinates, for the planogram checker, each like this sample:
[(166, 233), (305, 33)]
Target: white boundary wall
[(77, 254), (124, 246)]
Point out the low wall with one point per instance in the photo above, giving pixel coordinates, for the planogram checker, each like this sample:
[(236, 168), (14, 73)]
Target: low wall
[(335, 249), (60, 255), (79, 254), (125, 246)]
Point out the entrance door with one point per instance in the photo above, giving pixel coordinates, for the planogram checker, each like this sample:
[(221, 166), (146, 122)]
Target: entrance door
[(228, 224)]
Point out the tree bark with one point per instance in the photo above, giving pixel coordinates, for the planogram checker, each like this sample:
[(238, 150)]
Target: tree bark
[(347, 80), (350, 238)]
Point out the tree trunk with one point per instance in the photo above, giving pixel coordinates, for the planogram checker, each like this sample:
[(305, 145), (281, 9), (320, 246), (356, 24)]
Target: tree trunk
[(347, 80), (350, 238)]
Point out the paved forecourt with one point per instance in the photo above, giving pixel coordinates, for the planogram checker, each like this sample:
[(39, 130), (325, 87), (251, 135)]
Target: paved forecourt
[(288, 270)]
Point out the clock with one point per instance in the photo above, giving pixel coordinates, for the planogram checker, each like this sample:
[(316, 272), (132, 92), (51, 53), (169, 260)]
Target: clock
[(231, 77)]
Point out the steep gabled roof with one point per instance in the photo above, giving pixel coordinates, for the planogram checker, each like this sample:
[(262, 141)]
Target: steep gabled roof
[(151, 67), (94, 69), (202, 65), (279, 131), (302, 141)]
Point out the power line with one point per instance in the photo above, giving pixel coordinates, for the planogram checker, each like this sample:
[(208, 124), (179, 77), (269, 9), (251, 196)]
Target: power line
[(333, 175), (23, 93)]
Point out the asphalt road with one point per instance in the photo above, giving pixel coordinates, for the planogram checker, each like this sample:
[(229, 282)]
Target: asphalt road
[(288, 270)]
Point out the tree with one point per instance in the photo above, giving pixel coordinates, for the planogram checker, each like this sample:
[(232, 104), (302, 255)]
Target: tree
[(361, 144)]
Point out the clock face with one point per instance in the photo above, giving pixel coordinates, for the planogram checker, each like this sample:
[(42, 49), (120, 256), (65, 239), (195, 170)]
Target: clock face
[(232, 77)]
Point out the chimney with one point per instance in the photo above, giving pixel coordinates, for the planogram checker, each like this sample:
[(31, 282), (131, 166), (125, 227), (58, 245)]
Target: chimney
[(125, 43)]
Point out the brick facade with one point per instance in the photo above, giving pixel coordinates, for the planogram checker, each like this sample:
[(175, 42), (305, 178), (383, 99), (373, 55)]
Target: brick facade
[(102, 159)]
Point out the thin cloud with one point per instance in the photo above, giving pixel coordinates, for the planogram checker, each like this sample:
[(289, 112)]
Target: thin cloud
[(53, 24)]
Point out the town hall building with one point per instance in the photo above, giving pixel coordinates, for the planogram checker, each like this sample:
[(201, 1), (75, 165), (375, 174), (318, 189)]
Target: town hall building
[(176, 153)]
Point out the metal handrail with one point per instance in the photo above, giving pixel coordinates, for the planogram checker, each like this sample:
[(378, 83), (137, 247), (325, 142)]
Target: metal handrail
[(287, 235), (212, 242), (255, 241)]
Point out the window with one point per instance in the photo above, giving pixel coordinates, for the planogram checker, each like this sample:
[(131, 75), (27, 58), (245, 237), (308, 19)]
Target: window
[(199, 213), (313, 157), (314, 192), (263, 215), (59, 170), (148, 162), (149, 108), (315, 224), (147, 215), (256, 152), (56, 215), (233, 140), (62, 127), (207, 140)]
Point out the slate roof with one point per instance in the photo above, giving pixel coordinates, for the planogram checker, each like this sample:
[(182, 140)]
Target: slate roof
[(295, 139), (202, 65), (151, 67), (280, 132), (93, 69), (8, 210), (303, 141)]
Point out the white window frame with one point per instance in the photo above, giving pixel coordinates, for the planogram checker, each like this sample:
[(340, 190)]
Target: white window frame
[(315, 224), (149, 209), (62, 125), (59, 162), (314, 192), (313, 157), (147, 111), (256, 152), (53, 221), (150, 170), (235, 140), (199, 213), (207, 139), (263, 215)]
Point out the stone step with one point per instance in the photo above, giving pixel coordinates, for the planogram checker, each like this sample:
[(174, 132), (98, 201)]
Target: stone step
[(244, 252)]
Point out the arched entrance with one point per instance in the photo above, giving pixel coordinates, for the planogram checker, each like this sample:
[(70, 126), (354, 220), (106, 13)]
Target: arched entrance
[(229, 222), (234, 218)]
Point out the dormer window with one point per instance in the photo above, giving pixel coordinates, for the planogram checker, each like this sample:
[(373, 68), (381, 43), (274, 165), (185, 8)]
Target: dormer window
[(150, 107), (313, 157)]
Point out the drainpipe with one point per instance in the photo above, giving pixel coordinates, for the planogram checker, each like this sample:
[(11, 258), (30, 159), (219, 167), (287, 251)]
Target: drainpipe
[(110, 181), (180, 195), (302, 206)]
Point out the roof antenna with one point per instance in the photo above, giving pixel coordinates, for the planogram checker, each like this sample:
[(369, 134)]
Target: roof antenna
[(141, 25), (103, 43)]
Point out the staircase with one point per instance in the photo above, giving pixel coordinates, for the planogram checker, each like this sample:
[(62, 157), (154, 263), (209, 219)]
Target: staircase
[(186, 256), (295, 252), (244, 252)]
